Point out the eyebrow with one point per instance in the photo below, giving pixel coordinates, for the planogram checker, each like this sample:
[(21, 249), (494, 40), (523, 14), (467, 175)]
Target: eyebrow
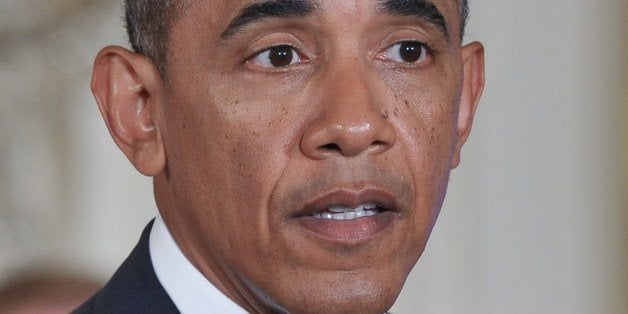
[(267, 9), (422, 9)]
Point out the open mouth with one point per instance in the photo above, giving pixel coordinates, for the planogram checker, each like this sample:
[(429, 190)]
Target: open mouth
[(349, 217), (340, 212), (344, 204)]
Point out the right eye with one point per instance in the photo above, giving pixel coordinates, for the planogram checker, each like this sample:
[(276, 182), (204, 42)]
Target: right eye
[(410, 51), (279, 56)]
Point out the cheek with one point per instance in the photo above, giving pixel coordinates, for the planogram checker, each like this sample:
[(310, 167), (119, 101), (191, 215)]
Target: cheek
[(426, 119), (425, 114), (245, 150), (425, 108), (253, 149)]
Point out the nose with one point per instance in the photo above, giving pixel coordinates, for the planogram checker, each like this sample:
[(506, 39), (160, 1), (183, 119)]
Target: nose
[(351, 117)]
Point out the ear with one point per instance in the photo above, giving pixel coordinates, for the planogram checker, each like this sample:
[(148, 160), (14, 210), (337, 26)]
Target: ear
[(129, 91), (472, 87)]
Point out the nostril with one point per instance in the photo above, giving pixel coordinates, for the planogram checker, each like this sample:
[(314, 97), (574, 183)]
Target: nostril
[(330, 146), (378, 143), (348, 139)]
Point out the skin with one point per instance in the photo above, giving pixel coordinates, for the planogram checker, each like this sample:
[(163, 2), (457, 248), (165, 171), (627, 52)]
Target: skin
[(238, 149)]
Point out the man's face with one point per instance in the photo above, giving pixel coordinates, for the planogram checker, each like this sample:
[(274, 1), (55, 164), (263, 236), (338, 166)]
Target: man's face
[(308, 146)]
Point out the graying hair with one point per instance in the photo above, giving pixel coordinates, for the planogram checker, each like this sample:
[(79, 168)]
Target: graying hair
[(147, 25), (464, 16), (148, 22)]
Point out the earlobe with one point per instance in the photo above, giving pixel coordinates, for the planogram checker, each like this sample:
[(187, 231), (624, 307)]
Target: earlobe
[(472, 87), (128, 90)]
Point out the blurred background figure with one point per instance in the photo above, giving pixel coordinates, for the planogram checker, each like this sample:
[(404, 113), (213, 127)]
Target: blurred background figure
[(536, 216), (50, 294)]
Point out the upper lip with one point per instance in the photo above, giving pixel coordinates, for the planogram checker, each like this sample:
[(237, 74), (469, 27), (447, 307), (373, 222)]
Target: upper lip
[(351, 198)]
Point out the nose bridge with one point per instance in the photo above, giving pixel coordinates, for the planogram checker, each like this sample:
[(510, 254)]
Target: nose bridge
[(351, 92), (351, 121)]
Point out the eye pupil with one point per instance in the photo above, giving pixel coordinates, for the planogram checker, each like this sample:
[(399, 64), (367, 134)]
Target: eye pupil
[(281, 56), (410, 51)]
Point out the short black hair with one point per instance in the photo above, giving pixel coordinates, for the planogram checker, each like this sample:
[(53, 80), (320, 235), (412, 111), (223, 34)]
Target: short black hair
[(464, 16), (148, 23)]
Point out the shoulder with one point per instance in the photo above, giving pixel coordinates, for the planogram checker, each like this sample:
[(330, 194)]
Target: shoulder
[(134, 288)]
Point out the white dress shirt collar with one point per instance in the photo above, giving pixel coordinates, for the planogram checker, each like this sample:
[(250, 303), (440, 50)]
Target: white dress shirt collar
[(190, 291)]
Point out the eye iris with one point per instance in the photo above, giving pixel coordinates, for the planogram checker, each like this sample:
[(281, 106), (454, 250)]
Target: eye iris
[(410, 51), (281, 56)]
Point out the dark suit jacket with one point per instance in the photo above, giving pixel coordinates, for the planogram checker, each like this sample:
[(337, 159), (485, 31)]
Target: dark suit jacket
[(134, 287)]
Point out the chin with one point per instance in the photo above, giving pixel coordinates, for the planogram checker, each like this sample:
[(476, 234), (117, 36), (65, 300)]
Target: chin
[(339, 292)]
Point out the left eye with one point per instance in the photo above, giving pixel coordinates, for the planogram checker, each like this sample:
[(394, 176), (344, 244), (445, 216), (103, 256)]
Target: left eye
[(407, 52), (276, 57)]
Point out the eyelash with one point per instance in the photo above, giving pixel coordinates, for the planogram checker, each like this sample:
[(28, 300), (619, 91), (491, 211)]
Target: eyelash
[(411, 47), (287, 52), (284, 52)]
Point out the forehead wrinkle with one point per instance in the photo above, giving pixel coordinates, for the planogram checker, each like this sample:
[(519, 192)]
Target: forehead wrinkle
[(422, 9)]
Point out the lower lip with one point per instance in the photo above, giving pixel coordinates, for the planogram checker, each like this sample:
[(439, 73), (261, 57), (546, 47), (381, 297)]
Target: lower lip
[(348, 232)]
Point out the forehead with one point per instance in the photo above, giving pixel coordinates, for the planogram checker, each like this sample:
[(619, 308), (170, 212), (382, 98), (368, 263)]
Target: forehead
[(222, 13)]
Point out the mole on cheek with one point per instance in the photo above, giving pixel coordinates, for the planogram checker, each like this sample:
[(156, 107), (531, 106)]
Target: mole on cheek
[(384, 113)]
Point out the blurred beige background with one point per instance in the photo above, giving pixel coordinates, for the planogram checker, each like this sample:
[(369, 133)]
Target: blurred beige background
[(536, 217)]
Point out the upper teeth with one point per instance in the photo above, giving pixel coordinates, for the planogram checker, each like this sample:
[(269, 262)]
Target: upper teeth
[(339, 212)]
